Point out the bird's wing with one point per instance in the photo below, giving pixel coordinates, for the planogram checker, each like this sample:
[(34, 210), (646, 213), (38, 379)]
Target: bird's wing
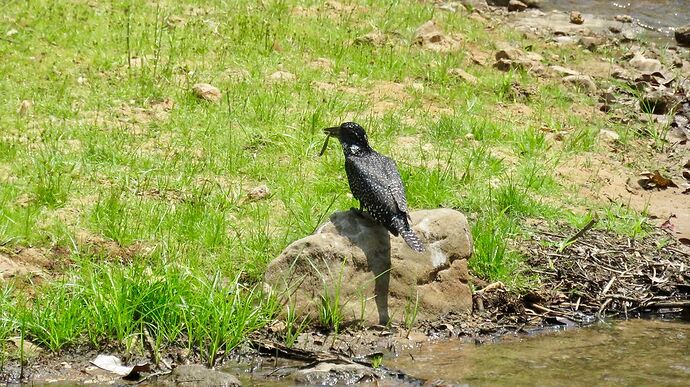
[(395, 184), (370, 182)]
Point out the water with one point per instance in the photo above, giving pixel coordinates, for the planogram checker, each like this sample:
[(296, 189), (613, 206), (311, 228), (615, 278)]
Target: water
[(636, 352), (661, 16)]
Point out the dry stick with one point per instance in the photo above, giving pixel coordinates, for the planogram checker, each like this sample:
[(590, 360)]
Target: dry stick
[(675, 250), (669, 304), (602, 307), (608, 285)]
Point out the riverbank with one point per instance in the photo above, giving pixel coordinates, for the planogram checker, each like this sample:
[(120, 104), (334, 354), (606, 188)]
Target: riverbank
[(147, 209)]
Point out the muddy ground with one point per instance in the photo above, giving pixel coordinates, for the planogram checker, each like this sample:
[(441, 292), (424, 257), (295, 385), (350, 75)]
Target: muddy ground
[(584, 274)]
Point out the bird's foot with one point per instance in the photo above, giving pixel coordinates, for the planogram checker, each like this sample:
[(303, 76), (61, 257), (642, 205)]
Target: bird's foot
[(357, 211), (363, 214)]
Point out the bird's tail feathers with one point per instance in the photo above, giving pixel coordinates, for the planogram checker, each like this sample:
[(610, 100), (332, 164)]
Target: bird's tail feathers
[(412, 240), (410, 237)]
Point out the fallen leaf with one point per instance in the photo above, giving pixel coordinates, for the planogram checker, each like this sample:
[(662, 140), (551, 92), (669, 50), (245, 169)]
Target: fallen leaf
[(656, 180), (667, 225), (114, 364), (661, 181)]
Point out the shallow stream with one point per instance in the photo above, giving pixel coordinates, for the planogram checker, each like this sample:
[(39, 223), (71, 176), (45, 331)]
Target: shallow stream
[(661, 16), (634, 352)]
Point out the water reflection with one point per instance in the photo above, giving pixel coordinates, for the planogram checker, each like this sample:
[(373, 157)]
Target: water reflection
[(636, 352)]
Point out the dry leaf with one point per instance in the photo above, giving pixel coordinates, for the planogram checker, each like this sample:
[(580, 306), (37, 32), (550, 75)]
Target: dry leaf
[(114, 364), (656, 180)]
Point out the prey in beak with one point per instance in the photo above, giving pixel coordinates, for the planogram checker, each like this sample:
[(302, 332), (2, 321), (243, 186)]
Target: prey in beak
[(332, 131)]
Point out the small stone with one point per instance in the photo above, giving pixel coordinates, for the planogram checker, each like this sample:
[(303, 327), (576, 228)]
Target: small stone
[(206, 92), (659, 102), (463, 75), (258, 193), (623, 18), (330, 373), (576, 17), (609, 135), (582, 81), (645, 65), (682, 35), (628, 35), (564, 70), (136, 61), (24, 107), (591, 43), (175, 21), (516, 6), (199, 375), (374, 38), (479, 5), (282, 76), (533, 3), (427, 33)]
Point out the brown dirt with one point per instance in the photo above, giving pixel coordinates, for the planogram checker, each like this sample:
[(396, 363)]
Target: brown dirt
[(604, 179)]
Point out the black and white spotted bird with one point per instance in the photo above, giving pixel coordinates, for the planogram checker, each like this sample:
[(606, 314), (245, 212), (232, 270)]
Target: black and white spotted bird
[(374, 181)]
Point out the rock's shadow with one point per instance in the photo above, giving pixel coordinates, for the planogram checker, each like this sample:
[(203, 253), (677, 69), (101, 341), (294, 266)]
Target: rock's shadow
[(375, 242)]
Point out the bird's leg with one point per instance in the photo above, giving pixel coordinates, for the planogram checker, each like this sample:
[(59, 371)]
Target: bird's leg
[(358, 211)]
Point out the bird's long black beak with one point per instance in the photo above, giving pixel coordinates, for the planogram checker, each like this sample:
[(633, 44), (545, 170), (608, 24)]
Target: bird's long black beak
[(332, 131)]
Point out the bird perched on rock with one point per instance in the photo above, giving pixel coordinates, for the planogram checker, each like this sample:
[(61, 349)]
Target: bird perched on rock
[(374, 181)]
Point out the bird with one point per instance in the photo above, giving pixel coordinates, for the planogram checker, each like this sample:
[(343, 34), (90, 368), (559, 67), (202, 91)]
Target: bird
[(375, 182)]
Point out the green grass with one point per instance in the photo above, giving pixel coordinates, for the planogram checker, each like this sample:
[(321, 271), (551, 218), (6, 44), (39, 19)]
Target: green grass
[(150, 197)]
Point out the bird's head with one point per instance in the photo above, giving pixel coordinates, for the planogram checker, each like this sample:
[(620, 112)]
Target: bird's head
[(352, 137)]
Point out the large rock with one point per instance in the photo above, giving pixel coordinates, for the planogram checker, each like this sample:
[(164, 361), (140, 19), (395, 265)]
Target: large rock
[(377, 276), (682, 35)]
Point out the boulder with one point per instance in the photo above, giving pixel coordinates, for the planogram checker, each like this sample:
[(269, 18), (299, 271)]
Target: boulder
[(376, 277), (682, 35)]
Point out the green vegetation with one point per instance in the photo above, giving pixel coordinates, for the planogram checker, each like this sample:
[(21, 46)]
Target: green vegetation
[(133, 193)]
